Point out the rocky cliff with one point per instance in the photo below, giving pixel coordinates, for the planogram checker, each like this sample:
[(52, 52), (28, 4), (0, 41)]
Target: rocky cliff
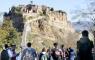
[(42, 26)]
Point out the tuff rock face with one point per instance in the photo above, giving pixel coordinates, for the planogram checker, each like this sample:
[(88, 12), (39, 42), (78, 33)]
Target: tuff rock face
[(43, 26)]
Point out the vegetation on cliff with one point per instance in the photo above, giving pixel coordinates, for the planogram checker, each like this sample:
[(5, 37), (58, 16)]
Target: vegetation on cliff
[(8, 34)]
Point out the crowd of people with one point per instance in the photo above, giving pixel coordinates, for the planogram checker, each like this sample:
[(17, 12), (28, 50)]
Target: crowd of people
[(84, 51), (29, 53)]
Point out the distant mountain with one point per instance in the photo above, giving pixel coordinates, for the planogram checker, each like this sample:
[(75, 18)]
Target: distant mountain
[(82, 25)]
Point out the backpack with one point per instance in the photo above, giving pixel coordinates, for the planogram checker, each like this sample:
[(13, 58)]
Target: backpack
[(55, 54), (50, 57), (43, 57), (4, 55), (28, 55)]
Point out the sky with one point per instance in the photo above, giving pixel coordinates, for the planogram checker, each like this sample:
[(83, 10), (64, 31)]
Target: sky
[(66, 5)]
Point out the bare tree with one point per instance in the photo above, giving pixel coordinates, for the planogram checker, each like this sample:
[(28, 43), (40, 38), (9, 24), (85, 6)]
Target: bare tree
[(88, 13)]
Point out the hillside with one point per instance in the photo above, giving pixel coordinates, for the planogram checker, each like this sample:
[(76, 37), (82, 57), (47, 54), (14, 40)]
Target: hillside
[(42, 25)]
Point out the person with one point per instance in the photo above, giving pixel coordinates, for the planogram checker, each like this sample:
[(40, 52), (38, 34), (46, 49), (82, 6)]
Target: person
[(49, 52), (5, 54), (43, 55), (63, 52), (19, 54), (29, 53), (18, 57), (60, 54), (55, 52), (71, 54), (14, 54), (84, 47)]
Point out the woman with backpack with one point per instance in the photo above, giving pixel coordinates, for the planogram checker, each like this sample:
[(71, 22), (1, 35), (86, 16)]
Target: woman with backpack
[(43, 55)]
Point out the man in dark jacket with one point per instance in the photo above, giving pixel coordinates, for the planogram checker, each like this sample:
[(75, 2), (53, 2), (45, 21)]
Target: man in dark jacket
[(84, 47)]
